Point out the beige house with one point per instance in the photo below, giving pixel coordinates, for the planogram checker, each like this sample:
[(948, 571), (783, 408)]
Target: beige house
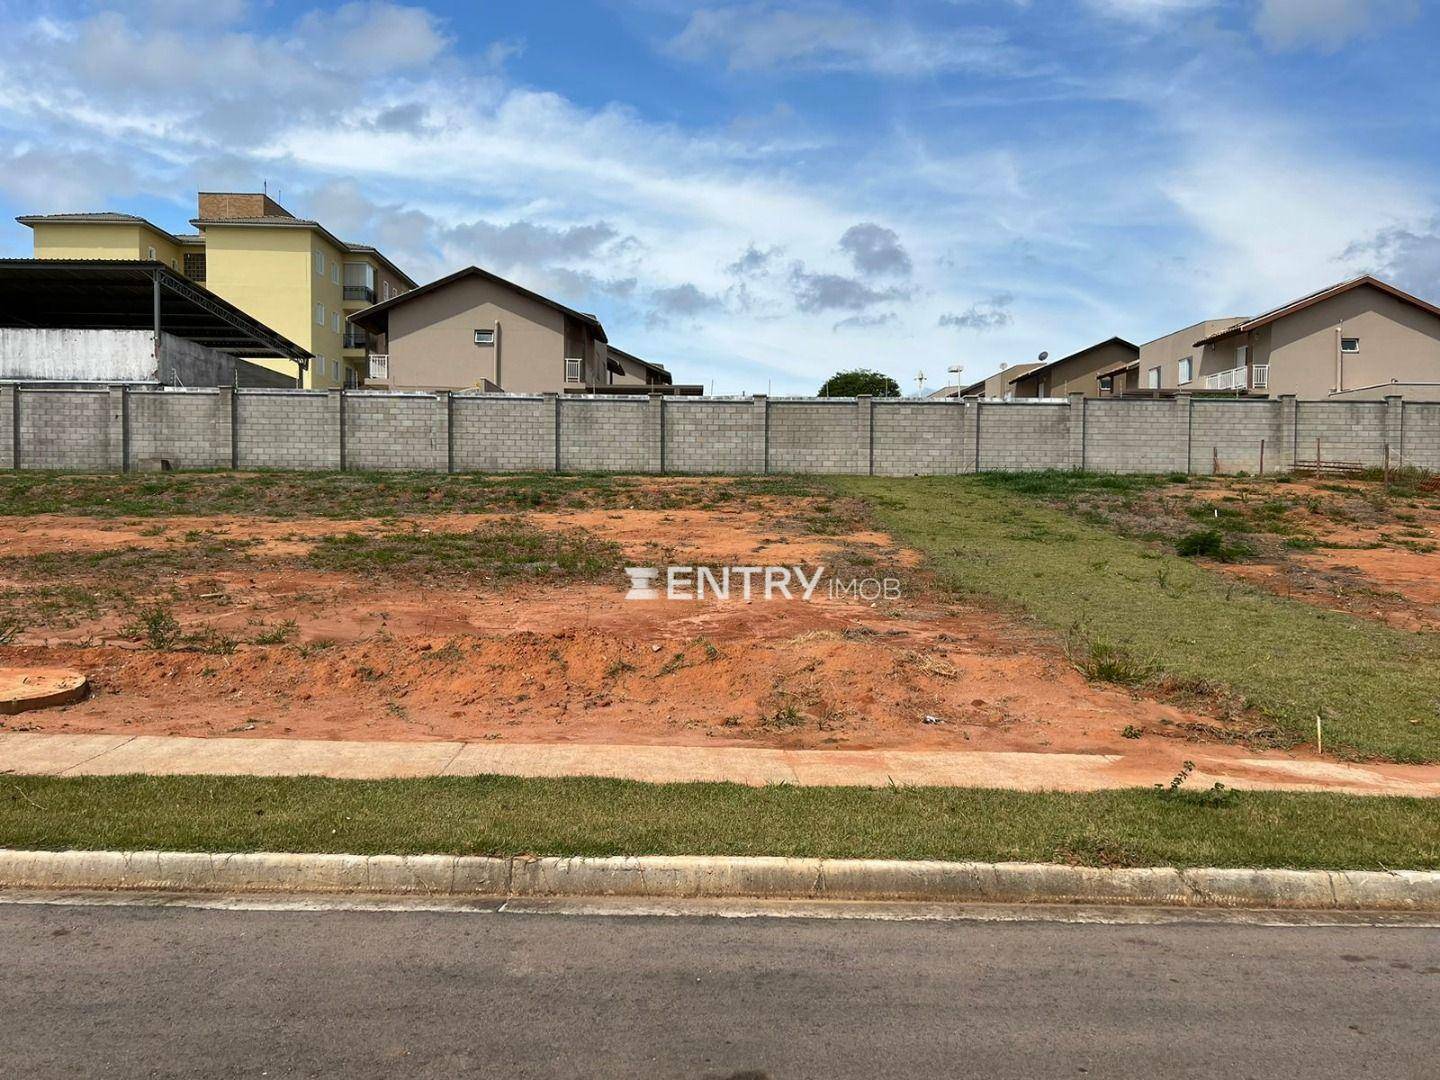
[(1172, 362), (475, 330), (1363, 338), (995, 387), (1078, 373)]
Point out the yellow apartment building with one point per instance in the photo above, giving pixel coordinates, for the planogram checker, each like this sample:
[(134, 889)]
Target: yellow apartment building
[(292, 274)]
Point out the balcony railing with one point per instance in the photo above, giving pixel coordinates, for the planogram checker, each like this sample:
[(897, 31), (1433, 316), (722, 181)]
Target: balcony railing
[(355, 338), (379, 366), (1253, 376), (360, 292)]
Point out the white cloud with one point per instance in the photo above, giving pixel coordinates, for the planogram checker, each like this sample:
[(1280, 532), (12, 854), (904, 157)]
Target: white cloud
[(831, 37), (1327, 24), (1147, 11)]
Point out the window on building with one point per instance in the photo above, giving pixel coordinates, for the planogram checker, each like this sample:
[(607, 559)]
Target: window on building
[(1242, 355), (195, 266), (1107, 384), (317, 370), (335, 271), (572, 369), (320, 263), (335, 365), (385, 289), (335, 321), (1349, 344), (484, 337), (1153, 379), (1187, 369), (319, 314), (152, 254)]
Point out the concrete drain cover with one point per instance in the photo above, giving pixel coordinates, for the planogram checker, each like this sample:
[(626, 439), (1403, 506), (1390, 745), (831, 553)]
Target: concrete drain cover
[(39, 688)]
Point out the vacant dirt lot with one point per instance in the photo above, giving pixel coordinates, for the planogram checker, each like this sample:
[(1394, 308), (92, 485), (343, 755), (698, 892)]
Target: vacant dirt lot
[(1345, 544), (512, 624)]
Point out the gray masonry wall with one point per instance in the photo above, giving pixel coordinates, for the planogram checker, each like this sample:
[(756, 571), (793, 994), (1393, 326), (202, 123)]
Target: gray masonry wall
[(719, 436), (287, 430), (65, 429), (1421, 428), (608, 435), (127, 428), (1347, 430), (817, 436), (918, 438), (492, 433), (1017, 437), (185, 429), (1230, 432), (1137, 436), (396, 432)]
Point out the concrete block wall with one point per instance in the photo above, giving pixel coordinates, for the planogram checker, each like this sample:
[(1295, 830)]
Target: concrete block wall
[(63, 429), (1137, 436), (491, 433), (7, 426), (189, 429), (1229, 433), (1019, 436), (918, 438), (1347, 430), (287, 430), (396, 431), (608, 435), (1420, 427), (713, 436), (816, 436), (98, 429)]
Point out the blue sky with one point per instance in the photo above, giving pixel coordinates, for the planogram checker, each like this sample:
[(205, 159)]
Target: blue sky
[(759, 194)]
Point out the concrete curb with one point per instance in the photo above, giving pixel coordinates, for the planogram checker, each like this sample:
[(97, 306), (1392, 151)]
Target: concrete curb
[(685, 877)]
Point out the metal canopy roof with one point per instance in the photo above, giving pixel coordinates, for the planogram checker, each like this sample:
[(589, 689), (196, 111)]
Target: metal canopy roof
[(124, 294)]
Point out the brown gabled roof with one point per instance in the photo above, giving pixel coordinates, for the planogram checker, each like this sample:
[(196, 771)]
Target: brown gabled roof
[(102, 217), (1073, 355), (366, 316), (1317, 297), (639, 360), (1112, 372)]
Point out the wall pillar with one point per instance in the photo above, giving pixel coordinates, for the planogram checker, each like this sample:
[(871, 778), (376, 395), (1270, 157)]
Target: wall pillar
[(9, 427), (552, 427), (1395, 428), (970, 444), (1285, 453), (225, 434), (1077, 430), (760, 433), (865, 432), (443, 434), (117, 455), (335, 406), (655, 433)]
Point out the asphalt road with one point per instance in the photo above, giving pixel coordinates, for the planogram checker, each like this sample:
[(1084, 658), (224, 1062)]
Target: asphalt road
[(144, 992)]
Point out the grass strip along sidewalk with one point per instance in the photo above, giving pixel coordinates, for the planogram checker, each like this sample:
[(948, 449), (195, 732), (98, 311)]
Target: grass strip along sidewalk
[(516, 816), (1377, 688)]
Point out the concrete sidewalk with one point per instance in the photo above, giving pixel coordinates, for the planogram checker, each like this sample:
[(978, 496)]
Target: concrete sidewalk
[(28, 753)]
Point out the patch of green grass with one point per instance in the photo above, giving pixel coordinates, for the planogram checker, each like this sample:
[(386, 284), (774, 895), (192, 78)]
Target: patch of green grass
[(496, 550), (511, 816), (1211, 544), (1378, 687), (1060, 484), (280, 494)]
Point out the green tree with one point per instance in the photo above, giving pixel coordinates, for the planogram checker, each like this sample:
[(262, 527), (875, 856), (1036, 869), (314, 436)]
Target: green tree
[(860, 381)]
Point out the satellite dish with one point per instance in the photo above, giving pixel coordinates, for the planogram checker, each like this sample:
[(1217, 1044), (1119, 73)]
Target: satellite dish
[(1044, 356)]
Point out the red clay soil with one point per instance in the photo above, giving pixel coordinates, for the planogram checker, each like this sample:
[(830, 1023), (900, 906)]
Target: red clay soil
[(1375, 566), (380, 658)]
